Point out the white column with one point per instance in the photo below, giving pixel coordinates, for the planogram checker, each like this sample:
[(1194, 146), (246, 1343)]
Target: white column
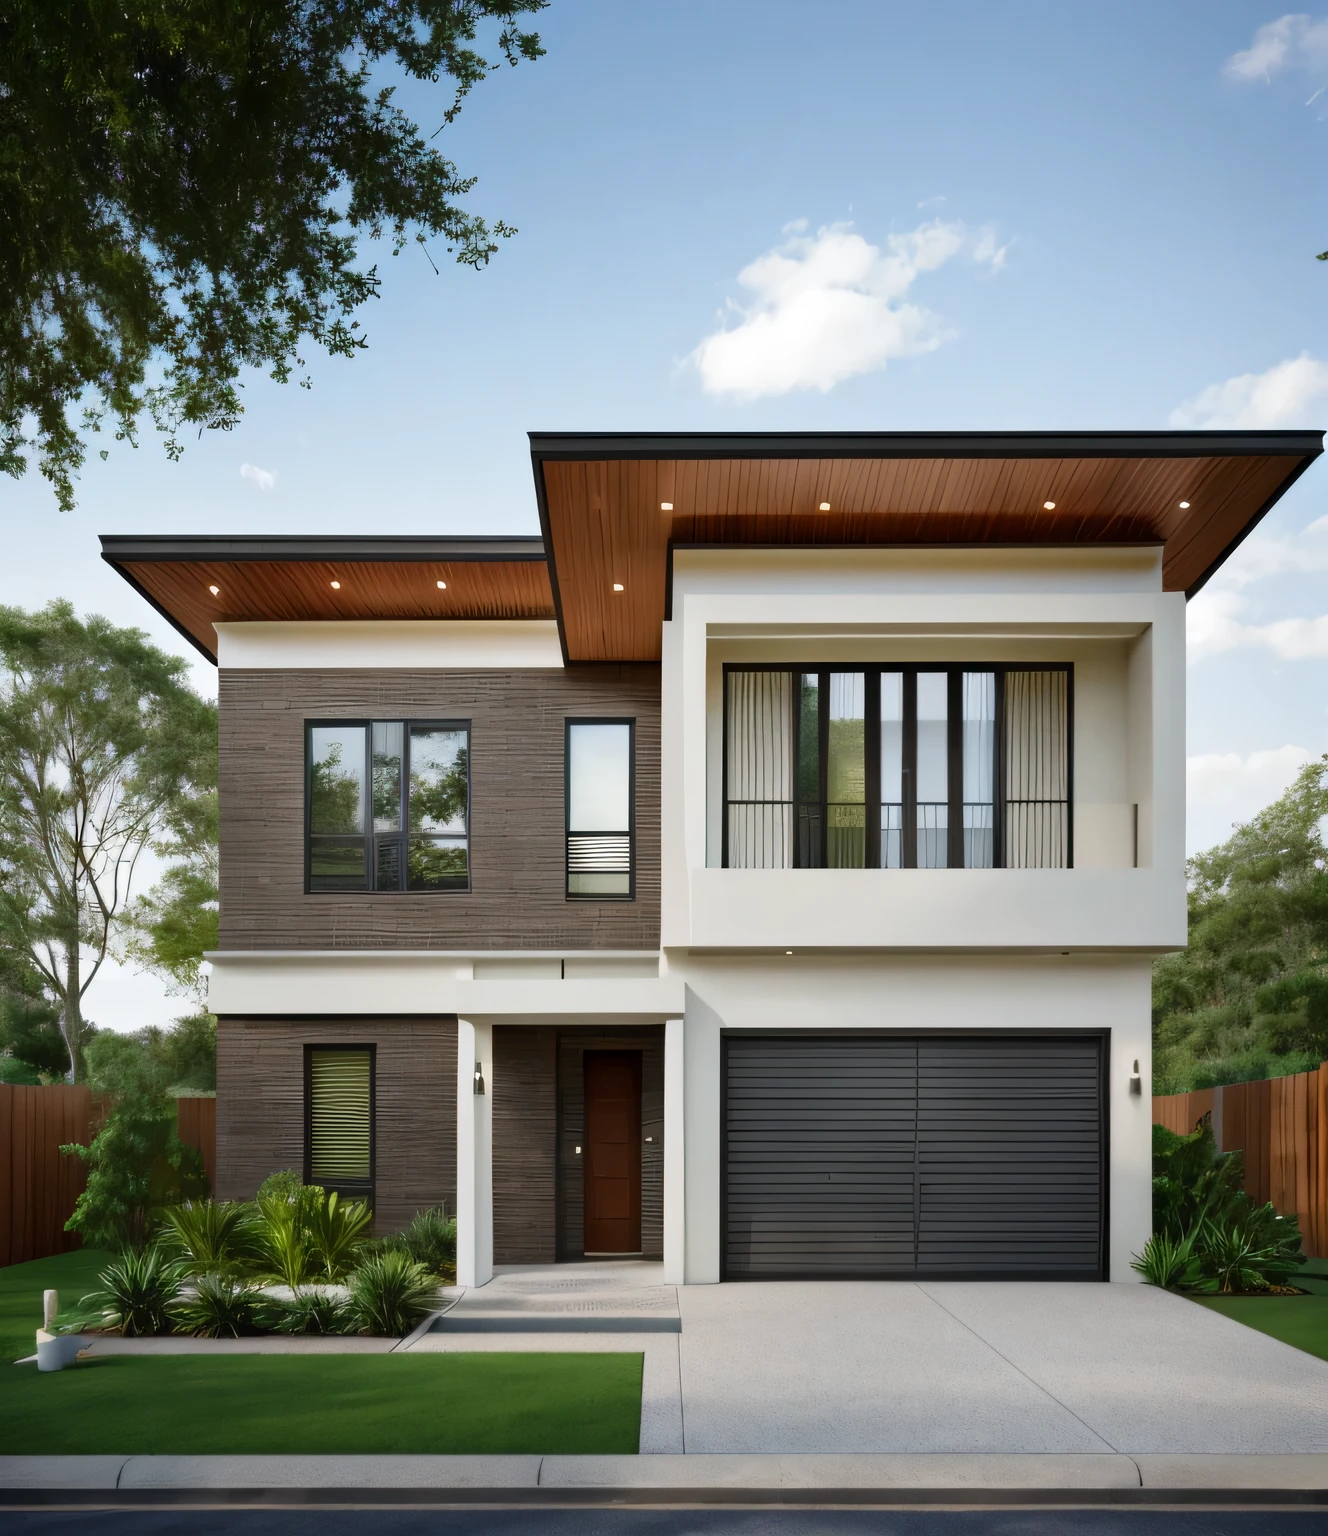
[(675, 1162), (474, 1155)]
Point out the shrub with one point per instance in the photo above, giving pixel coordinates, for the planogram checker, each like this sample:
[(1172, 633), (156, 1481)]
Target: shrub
[(1171, 1263), (137, 1293), (283, 1237), (1250, 1249), (285, 1184), (219, 1308), (336, 1230), (1208, 1233), (212, 1235), (430, 1239), (390, 1294), (310, 1312), (137, 1164)]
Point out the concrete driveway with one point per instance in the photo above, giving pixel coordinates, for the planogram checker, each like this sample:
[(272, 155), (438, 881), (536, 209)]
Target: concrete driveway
[(972, 1367)]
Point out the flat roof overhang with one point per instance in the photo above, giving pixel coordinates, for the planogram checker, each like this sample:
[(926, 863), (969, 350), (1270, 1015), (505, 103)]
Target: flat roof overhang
[(290, 578), (613, 505)]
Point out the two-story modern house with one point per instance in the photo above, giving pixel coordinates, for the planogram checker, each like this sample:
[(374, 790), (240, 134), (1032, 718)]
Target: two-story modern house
[(760, 871)]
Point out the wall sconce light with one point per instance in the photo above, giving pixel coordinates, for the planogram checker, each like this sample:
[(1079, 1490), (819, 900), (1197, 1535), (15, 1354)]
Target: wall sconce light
[(578, 1151), (1136, 1081), (479, 1078)]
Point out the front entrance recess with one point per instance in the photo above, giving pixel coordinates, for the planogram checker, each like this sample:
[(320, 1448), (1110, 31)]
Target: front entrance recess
[(613, 1152), (890, 1157)]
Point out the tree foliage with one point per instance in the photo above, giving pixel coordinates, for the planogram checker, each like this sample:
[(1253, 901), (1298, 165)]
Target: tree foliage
[(1249, 997), (101, 742), (185, 187), (137, 1164), (170, 928)]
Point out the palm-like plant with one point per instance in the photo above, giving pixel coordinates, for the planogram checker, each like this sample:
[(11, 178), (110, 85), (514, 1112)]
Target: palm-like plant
[(137, 1292), (390, 1294), (283, 1241), (219, 1307), (310, 1312), (336, 1229), (1172, 1263), (1249, 1252), (212, 1236)]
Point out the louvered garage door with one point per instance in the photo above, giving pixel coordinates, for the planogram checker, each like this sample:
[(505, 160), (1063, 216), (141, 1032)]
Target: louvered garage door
[(879, 1156)]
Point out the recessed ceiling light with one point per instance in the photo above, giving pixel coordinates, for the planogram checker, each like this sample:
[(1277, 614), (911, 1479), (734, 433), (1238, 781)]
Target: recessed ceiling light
[(666, 506), (617, 586), (1185, 506), (214, 590), (336, 586), (1049, 506), (825, 507), (788, 951), (442, 586)]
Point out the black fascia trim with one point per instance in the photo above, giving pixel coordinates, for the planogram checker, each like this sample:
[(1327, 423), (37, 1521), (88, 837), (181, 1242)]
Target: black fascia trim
[(504, 548), (546, 533), (1253, 522), (164, 612), (572, 446)]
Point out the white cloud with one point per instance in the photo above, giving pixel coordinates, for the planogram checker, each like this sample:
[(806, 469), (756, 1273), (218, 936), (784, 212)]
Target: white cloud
[(1286, 395), (828, 306), (1295, 40), (264, 479), (1246, 784), (1214, 624), (989, 250), (1261, 556)]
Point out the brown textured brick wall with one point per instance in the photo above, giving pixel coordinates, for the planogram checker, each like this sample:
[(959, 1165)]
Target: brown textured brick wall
[(260, 1106), (517, 898)]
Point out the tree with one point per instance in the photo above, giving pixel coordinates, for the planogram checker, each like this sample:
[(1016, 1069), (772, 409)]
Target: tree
[(100, 742), (185, 190), (137, 1163), (1249, 997), (170, 929)]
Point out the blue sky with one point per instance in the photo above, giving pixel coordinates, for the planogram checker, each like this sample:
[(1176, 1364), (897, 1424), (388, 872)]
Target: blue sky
[(846, 216)]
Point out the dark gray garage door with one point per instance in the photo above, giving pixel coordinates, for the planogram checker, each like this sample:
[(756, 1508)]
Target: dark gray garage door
[(977, 1157)]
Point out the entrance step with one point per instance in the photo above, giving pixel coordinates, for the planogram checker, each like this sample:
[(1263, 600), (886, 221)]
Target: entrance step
[(511, 1305)]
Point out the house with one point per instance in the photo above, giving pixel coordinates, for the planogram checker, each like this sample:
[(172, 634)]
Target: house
[(759, 871)]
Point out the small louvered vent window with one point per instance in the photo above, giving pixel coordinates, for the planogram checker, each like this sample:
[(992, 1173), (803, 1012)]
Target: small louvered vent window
[(341, 1119), (600, 819)]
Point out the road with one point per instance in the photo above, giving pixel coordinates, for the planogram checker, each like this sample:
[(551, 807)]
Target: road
[(661, 1522)]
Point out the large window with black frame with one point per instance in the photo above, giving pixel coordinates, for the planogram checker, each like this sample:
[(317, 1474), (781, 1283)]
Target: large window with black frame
[(387, 805), (918, 766)]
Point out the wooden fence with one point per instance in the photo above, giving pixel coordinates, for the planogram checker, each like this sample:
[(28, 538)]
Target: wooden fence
[(1282, 1128), (39, 1185)]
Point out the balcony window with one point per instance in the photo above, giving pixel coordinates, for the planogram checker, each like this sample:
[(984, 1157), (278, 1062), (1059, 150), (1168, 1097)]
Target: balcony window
[(388, 805), (917, 766), (600, 815)]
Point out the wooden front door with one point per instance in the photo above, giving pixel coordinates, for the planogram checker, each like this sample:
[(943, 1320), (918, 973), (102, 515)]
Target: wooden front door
[(613, 1152)]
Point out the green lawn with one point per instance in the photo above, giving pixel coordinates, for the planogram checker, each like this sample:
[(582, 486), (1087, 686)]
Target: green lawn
[(1298, 1320), (541, 1404)]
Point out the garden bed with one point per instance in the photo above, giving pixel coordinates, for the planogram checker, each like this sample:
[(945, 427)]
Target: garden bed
[(225, 1403)]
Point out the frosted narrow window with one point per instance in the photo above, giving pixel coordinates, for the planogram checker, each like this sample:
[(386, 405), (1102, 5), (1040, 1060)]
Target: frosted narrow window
[(599, 812)]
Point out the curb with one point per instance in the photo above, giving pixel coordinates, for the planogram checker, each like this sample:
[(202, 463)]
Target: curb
[(936, 1477)]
